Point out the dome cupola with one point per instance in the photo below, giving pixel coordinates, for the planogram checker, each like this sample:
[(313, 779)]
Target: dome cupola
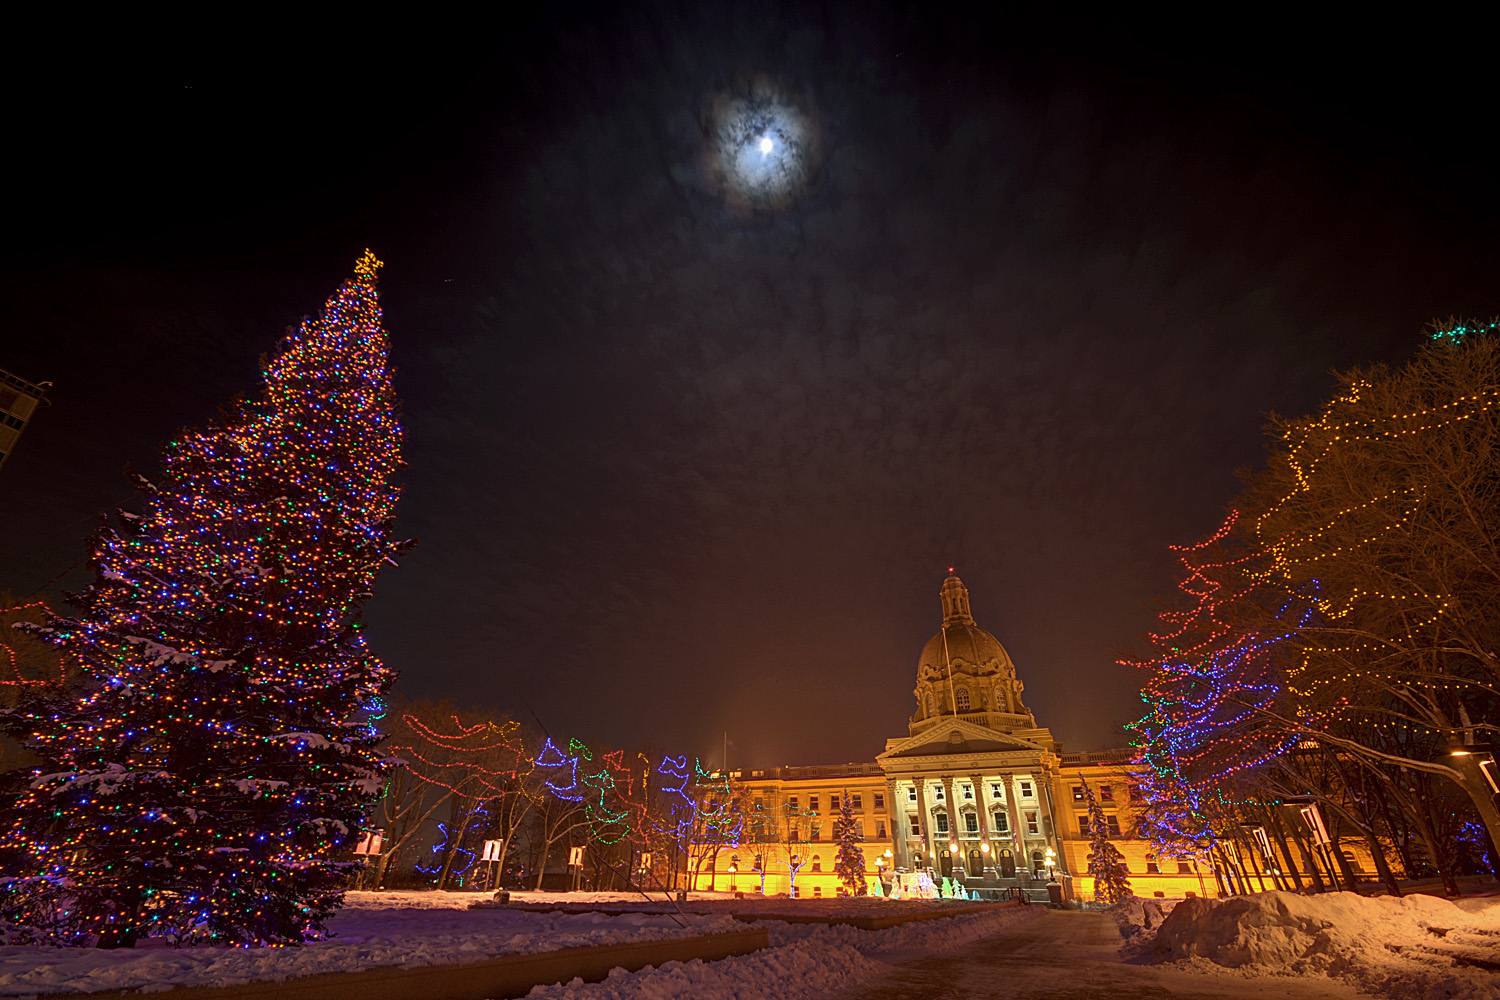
[(965, 671)]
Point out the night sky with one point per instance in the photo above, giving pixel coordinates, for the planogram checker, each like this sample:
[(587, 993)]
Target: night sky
[(688, 454)]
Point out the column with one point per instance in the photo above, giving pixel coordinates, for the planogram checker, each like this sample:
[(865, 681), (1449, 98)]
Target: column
[(950, 806), (896, 826), (982, 807), (1013, 809), (923, 823), (1051, 826)]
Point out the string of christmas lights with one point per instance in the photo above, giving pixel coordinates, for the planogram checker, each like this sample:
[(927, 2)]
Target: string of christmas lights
[(218, 751)]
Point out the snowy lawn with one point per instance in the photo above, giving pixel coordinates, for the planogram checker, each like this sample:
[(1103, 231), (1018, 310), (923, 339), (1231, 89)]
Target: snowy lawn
[(1413, 947), (804, 962), (374, 929)]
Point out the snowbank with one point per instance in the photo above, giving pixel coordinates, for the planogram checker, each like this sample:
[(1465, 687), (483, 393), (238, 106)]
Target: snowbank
[(1137, 916), (405, 929), (805, 962), (1418, 946)]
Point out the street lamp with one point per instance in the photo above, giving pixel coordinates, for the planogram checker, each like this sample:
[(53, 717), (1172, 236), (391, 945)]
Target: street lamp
[(1051, 864)]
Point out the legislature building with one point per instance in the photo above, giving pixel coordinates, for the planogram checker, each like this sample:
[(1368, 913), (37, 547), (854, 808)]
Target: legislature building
[(975, 791)]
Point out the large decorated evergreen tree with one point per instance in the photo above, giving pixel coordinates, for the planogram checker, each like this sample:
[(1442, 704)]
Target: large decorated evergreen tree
[(849, 863), (218, 752), (1106, 863)]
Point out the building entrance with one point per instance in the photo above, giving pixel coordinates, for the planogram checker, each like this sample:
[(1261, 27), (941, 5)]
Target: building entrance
[(1007, 864)]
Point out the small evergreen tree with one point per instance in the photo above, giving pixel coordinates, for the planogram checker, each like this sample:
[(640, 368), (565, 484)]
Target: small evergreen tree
[(849, 864), (217, 751), (1106, 863)]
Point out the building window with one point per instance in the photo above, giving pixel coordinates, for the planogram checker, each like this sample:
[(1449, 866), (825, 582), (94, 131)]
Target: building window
[(1183, 868), (963, 699), (879, 800), (857, 801), (1078, 794), (812, 803), (791, 803), (817, 863), (916, 826), (971, 823), (1002, 823), (817, 892), (1113, 823), (1106, 793), (938, 794), (968, 791), (1025, 789), (880, 829), (760, 805), (942, 823), (911, 794), (791, 832), (1083, 826), (995, 792), (817, 831), (1031, 825), (833, 803), (1152, 868)]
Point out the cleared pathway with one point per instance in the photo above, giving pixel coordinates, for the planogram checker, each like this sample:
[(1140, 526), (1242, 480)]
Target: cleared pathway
[(1069, 954)]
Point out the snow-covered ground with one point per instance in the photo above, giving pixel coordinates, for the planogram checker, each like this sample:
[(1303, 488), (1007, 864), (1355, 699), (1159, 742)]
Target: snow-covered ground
[(374, 929), (804, 962), (410, 929), (1413, 947)]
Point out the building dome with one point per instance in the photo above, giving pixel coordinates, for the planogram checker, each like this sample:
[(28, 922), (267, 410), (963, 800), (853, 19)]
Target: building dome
[(969, 647), (964, 670)]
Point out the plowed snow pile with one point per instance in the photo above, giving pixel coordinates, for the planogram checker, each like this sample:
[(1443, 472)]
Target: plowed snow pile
[(1419, 946)]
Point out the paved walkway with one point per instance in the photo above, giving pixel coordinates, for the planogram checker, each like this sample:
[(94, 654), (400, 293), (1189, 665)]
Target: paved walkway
[(1069, 954)]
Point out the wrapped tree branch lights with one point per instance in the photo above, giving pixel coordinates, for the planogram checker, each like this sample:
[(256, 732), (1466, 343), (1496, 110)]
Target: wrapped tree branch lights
[(1346, 608), (219, 750)]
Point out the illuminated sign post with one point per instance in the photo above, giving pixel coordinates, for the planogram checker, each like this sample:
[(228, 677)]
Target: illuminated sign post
[(491, 854), (369, 844), (575, 864)]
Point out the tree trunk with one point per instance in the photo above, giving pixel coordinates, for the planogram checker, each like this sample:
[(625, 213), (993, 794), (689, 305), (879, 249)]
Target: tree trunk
[(1279, 832), (1339, 857)]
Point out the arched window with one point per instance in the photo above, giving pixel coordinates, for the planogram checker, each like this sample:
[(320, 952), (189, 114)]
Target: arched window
[(962, 697), (817, 863)]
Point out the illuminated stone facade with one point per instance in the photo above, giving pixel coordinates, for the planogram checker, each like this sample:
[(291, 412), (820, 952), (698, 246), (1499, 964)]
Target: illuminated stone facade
[(976, 792)]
